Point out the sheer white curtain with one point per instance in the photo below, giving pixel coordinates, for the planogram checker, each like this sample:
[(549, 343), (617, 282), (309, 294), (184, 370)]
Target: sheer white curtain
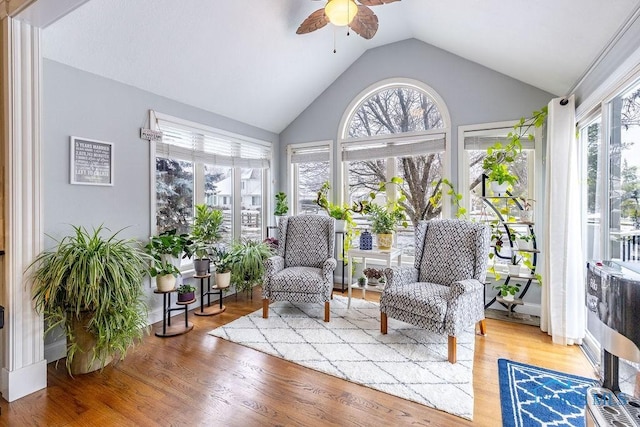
[(563, 314)]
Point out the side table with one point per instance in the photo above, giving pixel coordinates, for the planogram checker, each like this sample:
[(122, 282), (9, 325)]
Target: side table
[(208, 291), (387, 255), (167, 329)]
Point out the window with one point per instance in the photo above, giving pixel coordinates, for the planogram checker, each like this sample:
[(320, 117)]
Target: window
[(310, 167), (198, 164), (174, 194), (624, 178), (475, 141), (398, 129), (591, 143)]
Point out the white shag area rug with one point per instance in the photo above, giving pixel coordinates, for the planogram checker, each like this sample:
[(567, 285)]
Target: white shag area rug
[(408, 362)]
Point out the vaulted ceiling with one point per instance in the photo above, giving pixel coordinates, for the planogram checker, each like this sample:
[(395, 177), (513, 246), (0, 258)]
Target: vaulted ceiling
[(242, 58)]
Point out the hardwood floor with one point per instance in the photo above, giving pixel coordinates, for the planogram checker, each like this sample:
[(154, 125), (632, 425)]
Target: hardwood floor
[(196, 379)]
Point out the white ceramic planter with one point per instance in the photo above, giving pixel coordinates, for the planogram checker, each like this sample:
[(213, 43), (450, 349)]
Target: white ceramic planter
[(223, 280), (341, 226), (165, 283), (514, 270), (498, 189), (509, 297)]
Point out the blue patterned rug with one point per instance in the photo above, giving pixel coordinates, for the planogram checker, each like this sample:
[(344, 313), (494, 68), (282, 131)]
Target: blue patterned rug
[(532, 396)]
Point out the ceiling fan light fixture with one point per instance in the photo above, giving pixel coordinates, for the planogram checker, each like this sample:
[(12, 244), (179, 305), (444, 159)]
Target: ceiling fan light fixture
[(341, 12)]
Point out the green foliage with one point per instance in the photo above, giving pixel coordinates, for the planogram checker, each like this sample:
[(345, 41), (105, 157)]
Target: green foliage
[(100, 276), (170, 244), (248, 258), (281, 204), (207, 228), (456, 197), (222, 260), (507, 289), (385, 219), (185, 289), (499, 156), (340, 212), (167, 243)]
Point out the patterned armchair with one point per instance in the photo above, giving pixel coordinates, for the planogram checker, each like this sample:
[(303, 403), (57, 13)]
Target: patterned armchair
[(444, 290), (303, 269)]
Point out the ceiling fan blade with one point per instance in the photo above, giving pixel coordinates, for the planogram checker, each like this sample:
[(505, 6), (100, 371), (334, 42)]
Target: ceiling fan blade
[(365, 23), (375, 2), (314, 22)]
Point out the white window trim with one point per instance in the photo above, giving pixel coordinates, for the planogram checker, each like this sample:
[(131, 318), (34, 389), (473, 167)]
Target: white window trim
[(292, 183), (199, 183), (390, 84)]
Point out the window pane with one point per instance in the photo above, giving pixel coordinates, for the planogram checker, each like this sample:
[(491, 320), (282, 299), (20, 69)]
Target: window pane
[(394, 111), (310, 176), (591, 140), (218, 191), (419, 173), (624, 183), (174, 195), (251, 214)]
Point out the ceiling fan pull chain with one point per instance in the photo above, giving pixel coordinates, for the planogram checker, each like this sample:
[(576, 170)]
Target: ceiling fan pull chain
[(334, 39)]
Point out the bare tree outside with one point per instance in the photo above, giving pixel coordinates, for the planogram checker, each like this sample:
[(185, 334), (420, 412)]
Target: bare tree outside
[(396, 111), (311, 176)]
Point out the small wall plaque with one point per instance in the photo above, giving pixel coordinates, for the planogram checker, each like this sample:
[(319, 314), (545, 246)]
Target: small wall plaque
[(91, 162)]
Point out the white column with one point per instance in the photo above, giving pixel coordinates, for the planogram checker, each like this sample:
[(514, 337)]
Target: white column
[(24, 369)]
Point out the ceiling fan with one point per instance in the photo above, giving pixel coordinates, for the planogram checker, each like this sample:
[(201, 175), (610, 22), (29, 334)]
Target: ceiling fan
[(357, 16)]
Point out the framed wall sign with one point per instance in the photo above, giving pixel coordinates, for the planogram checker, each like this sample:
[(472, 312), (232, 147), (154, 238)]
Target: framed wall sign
[(91, 162)]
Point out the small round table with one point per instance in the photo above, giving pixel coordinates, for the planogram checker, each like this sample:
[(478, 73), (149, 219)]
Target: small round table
[(209, 310), (169, 330)]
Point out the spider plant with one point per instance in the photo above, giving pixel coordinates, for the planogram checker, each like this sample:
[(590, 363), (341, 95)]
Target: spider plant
[(94, 279)]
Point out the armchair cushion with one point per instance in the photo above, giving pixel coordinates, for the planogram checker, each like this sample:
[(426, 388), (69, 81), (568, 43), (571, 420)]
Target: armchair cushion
[(299, 280), (421, 299), (303, 245), (450, 251)]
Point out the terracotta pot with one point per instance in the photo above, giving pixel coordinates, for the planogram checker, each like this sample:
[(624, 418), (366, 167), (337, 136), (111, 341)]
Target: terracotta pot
[(86, 342), (385, 241), (166, 283), (223, 280)]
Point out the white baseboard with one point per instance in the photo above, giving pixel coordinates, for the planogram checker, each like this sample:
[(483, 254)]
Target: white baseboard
[(56, 350), (24, 381)]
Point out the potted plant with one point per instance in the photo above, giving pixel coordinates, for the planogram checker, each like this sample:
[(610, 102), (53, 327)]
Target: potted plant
[(386, 218), (384, 222), (164, 250), (282, 207), (186, 293), (507, 291), (526, 214), (92, 286), (500, 179), (165, 274), (362, 281), (373, 275), (247, 263), (343, 214), (514, 266), (207, 228), (223, 262)]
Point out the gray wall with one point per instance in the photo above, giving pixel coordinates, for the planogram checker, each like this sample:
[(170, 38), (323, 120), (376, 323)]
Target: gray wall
[(473, 93), (81, 104)]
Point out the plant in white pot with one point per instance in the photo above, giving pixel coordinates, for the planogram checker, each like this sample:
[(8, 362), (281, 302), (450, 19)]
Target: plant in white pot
[(507, 290), (165, 250), (92, 286), (207, 229), (343, 214), (223, 262)]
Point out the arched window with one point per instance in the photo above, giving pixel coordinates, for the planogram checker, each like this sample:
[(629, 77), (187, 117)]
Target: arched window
[(397, 128)]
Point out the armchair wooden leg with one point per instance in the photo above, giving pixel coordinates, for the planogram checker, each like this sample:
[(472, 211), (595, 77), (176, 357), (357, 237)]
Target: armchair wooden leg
[(383, 323), (452, 349), (265, 308), (483, 327), (326, 311)]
